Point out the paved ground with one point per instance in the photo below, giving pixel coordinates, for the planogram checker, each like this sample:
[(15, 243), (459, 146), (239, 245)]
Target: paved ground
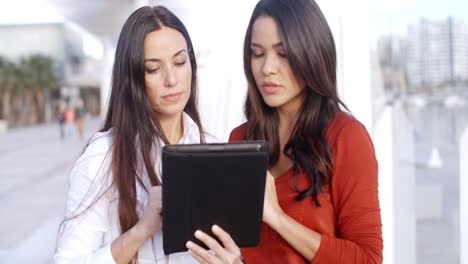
[(34, 167)]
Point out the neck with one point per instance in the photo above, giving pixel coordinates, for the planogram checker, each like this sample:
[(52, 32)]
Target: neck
[(287, 116), (172, 127)]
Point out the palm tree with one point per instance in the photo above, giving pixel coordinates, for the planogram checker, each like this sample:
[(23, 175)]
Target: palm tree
[(23, 87), (40, 77), (8, 80)]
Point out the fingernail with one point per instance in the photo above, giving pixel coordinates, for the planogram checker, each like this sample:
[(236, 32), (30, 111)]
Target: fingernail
[(215, 228), (198, 233), (188, 244)]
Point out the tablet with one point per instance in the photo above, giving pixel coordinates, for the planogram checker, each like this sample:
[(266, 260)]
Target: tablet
[(207, 184)]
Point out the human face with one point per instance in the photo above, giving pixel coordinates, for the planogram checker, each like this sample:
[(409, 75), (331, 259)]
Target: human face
[(168, 72), (273, 75)]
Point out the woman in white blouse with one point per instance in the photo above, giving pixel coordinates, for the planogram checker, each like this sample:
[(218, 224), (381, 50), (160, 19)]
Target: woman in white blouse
[(114, 206)]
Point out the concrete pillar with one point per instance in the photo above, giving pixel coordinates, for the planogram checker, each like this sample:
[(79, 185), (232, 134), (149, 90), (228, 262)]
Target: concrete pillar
[(385, 151), (107, 65), (464, 197), (354, 65), (404, 188)]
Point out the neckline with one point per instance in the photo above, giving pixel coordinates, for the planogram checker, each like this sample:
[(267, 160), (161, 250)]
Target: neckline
[(280, 177)]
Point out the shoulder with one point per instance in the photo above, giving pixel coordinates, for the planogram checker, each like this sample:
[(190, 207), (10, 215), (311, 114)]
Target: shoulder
[(238, 133), (344, 126), (96, 158), (349, 141), (339, 121), (90, 176)]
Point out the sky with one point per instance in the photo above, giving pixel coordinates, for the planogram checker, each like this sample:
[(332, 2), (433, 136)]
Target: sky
[(395, 20)]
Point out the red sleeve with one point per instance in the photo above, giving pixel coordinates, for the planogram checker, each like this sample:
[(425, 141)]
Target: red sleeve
[(355, 198), (238, 133)]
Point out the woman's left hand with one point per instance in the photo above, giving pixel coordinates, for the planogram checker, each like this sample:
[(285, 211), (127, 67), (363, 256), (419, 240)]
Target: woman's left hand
[(229, 254), (271, 207)]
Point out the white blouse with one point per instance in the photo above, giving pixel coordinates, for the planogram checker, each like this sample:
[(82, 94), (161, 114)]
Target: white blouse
[(87, 238)]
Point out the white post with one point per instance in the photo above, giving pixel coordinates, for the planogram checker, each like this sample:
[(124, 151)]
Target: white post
[(384, 148), (464, 197), (107, 64), (354, 65), (404, 188)]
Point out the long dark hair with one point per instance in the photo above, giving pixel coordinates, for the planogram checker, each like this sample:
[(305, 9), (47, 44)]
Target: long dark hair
[(130, 113), (310, 50)]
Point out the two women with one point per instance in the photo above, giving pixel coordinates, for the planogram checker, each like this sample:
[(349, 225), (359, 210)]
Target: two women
[(321, 203)]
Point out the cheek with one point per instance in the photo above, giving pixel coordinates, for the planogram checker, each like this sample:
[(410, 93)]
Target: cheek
[(151, 87), (256, 70), (293, 80), (187, 73)]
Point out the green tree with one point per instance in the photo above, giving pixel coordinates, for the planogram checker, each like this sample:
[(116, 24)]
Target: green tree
[(9, 74), (39, 77), (23, 88)]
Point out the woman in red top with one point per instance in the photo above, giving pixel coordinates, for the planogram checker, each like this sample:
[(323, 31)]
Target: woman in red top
[(321, 201)]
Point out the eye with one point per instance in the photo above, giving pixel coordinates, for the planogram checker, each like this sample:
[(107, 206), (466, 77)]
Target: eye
[(180, 63), (153, 70), (282, 54), (256, 54)]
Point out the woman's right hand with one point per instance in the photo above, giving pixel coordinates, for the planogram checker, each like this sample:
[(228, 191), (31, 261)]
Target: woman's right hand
[(151, 221), (124, 248), (227, 253)]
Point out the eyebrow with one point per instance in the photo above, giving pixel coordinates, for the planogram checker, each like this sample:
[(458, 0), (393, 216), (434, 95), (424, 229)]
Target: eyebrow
[(175, 55), (276, 45)]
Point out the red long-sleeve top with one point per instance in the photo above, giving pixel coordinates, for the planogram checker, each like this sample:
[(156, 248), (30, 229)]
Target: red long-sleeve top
[(349, 216)]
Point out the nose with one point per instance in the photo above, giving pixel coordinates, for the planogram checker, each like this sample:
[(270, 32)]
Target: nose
[(270, 64), (171, 77)]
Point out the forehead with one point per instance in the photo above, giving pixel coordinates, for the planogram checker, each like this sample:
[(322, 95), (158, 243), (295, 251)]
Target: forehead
[(163, 42), (265, 31)]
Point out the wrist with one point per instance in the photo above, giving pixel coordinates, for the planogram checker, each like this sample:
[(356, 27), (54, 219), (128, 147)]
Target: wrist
[(277, 220), (140, 231)]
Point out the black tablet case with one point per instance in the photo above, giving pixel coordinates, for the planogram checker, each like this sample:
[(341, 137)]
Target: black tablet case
[(207, 184)]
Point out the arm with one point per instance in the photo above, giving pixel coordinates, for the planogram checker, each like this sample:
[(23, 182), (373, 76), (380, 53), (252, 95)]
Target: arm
[(354, 190), (306, 241), (126, 245), (303, 239), (355, 198), (81, 238)]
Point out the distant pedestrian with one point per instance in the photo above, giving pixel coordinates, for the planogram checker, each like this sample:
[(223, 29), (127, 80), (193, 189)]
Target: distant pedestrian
[(69, 120), (80, 117), (60, 116)]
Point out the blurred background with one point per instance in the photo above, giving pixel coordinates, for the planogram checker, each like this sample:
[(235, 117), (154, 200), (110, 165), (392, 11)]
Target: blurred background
[(402, 70)]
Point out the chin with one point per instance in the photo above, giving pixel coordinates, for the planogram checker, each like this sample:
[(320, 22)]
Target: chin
[(272, 101), (172, 110)]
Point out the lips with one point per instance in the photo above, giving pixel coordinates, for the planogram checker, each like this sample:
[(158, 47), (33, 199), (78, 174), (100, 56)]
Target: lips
[(270, 87), (172, 97)]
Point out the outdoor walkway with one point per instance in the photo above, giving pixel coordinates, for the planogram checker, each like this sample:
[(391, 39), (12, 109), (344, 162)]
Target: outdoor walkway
[(34, 167)]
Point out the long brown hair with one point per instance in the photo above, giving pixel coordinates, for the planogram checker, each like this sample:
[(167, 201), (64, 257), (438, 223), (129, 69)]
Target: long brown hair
[(130, 113), (310, 50)]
